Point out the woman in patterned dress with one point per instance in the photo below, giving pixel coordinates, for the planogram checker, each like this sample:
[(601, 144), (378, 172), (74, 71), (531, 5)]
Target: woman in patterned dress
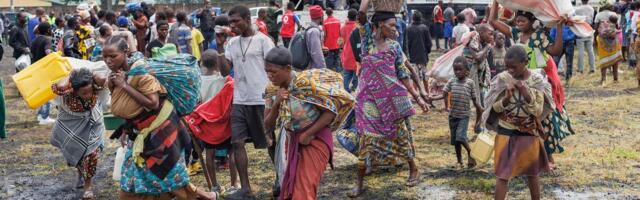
[(383, 103)]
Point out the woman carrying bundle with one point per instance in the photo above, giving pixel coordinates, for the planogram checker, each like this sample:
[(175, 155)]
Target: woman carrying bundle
[(154, 166), (79, 130), (307, 106), (384, 105)]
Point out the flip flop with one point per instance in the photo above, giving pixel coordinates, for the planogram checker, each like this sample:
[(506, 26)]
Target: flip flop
[(413, 182), (88, 195), (356, 192)]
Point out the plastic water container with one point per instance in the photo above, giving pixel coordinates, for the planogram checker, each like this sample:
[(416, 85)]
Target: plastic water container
[(482, 147), (117, 163), (34, 82)]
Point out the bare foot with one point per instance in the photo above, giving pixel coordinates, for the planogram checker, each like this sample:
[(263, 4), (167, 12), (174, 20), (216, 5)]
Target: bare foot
[(356, 192)]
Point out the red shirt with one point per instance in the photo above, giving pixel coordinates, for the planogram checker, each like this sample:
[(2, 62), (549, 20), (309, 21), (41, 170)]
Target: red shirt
[(347, 57), (262, 26), (288, 24), (438, 17), (331, 32)]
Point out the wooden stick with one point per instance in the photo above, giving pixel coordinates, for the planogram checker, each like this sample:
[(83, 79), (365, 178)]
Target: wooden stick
[(196, 146)]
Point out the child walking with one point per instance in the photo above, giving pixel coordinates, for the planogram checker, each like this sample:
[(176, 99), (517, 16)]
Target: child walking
[(458, 92)]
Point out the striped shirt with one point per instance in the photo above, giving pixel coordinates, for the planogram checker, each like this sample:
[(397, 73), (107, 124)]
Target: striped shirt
[(460, 94)]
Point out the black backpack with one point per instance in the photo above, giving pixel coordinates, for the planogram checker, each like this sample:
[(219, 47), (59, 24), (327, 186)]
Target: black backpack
[(299, 51)]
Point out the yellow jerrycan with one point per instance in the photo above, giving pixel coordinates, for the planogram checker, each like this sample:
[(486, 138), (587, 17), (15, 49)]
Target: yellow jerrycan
[(482, 147), (34, 82)]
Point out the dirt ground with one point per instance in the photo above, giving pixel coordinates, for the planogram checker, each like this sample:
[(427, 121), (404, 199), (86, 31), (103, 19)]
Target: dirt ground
[(602, 161)]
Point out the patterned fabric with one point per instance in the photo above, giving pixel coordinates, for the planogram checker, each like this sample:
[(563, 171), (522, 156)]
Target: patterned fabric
[(536, 46), (309, 90), (608, 51), (163, 140), (84, 34), (88, 164), (382, 100), (557, 126), (376, 151), (179, 74), (57, 35), (78, 134), (77, 104), (141, 180), (540, 108), (461, 93)]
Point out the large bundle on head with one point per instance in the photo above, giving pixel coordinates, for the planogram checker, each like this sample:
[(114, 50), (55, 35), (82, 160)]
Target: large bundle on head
[(180, 75), (394, 6), (550, 12)]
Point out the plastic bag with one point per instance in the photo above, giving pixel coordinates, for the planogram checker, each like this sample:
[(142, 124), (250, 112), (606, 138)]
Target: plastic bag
[(117, 163), (443, 66), (550, 12), (23, 62)]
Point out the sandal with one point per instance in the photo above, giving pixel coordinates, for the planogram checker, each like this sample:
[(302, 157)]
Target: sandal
[(356, 192), (88, 195)]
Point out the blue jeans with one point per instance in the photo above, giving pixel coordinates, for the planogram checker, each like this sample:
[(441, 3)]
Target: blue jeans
[(44, 110), (587, 43), (568, 52), (333, 60), (350, 78)]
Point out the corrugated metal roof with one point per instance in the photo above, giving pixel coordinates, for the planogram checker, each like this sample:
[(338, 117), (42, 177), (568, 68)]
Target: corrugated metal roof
[(25, 3)]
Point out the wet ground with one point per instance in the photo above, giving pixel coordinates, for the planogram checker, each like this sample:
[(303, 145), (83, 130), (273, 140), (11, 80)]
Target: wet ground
[(602, 161)]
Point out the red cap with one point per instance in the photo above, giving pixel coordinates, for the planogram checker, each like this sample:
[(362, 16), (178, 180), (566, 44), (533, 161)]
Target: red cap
[(315, 12)]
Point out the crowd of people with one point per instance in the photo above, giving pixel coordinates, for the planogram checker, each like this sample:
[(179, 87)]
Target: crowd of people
[(368, 71)]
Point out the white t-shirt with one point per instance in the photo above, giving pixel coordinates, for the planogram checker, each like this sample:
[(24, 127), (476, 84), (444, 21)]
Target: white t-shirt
[(210, 86), (458, 31), (250, 79), (587, 11)]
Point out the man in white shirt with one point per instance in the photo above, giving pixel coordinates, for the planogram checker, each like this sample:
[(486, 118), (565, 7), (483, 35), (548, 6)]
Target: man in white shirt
[(246, 53), (585, 10)]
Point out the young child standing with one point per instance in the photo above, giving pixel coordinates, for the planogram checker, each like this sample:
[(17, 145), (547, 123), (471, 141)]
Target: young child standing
[(498, 55), (212, 87), (458, 92)]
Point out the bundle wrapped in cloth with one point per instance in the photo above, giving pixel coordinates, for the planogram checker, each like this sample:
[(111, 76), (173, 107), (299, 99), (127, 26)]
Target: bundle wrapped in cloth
[(394, 6), (180, 75), (550, 12)]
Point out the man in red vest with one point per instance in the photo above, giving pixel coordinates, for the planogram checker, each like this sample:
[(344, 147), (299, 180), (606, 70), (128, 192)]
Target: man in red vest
[(331, 36), (289, 21), (347, 57)]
